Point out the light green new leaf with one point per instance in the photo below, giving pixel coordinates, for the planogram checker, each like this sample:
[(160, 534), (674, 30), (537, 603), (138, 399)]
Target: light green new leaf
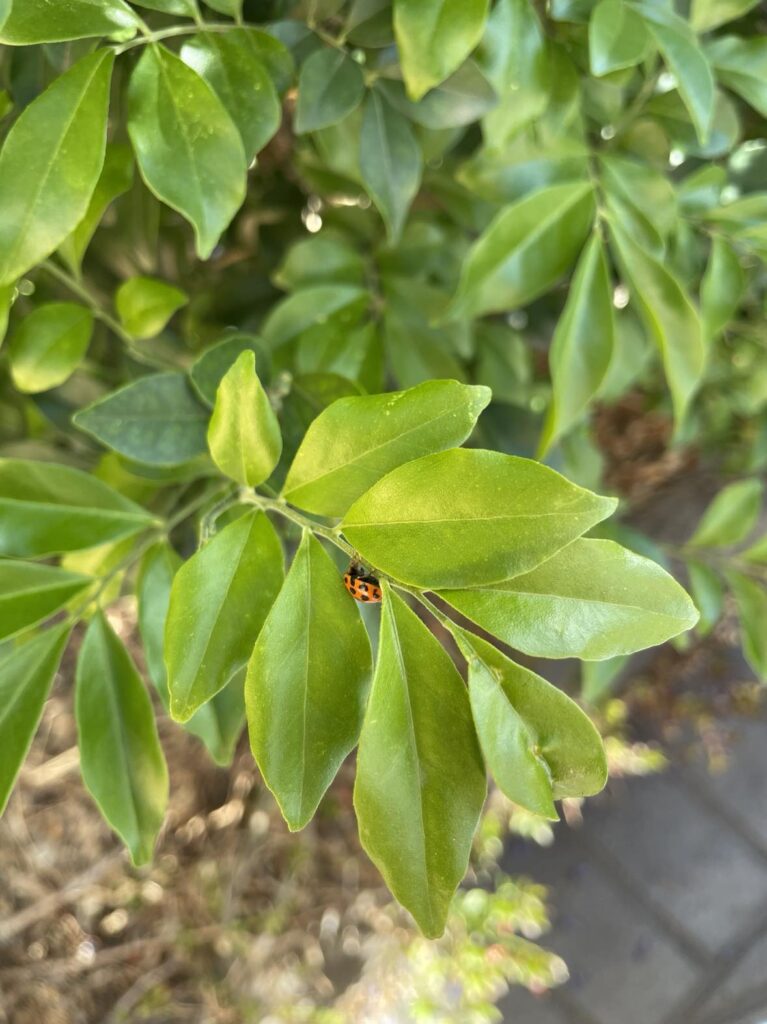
[(30, 592), (722, 287), (751, 599), (563, 737), (243, 435), (525, 250), (211, 367), (51, 162), (463, 518), (582, 345), (49, 345), (231, 64), (121, 759), (708, 593), (188, 149), (685, 58), (390, 162), (731, 516), (26, 676), (708, 14), (420, 781), (741, 65), (592, 600), (307, 683), (145, 305), (434, 37), (357, 440), (669, 316), (45, 509), (218, 604), (319, 304), (39, 21), (155, 420), (330, 86), (618, 38)]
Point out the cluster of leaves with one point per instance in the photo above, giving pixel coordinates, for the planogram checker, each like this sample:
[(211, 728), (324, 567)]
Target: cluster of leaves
[(378, 189)]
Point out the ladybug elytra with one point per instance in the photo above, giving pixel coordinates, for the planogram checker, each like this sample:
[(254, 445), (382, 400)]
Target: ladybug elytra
[(361, 585)]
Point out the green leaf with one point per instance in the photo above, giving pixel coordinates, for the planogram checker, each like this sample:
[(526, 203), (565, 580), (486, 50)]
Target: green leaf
[(599, 678), (751, 598), (326, 257), (647, 192), (155, 420), (244, 435), (39, 21), (564, 737), (330, 86), (420, 782), (582, 346), (669, 316), (211, 367), (708, 14), (185, 8), (175, 120), (357, 440), (218, 604), (757, 552), (231, 64), (434, 37), (618, 38), (731, 516), (7, 298), (319, 304), (525, 250), (145, 305), (741, 65), (390, 162), (51, 162), (30, 593), (26, 675), (708, 592), (231, 8), (464, 518), (722, 287), (49, 345), (116, 178), (307, 683), (681, 51), (45, 509), (121, 759), (460, 100), (592, 600)]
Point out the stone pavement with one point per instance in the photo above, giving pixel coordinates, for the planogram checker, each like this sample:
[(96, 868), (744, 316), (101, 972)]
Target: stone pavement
[(660, 898)]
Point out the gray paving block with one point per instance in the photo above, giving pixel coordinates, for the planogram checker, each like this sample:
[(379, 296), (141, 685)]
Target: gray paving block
[(520, 1007), (748, 975), (686, 858)]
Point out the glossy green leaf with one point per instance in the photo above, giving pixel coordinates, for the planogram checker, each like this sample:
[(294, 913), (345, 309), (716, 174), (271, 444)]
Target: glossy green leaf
[(175, 120), (231, 64), (310, 306), (685, 58), (582, 345), (121, 759), (45, 509), (326, 257), (592, 600), (751, 599), (26, 676), (330, 86), (357, 440), (731, 516), (618, 37), (390, 162), (30, 592), (462, 98), (420, 782), (39, 21), (232, 8), (741, 65), (49, 345), (116, 178), (307, 683), (51, 162), (185, 8), (155, 420), (525, 250), (524, 165), (145, 305), (211, 367), (464, 518), (708, 14), (7, 298), (669, 316), (644, 190), (722, 287), (218, 604), (563, 737), (707, 589), (434, 37), (356, 354), (243, 435)]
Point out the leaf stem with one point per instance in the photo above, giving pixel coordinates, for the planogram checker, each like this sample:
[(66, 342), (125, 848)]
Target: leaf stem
[(283, 509), (176, 30)]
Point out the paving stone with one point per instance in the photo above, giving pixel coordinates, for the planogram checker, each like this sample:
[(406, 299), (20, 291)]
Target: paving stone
[(520, 1007), (748, 975)]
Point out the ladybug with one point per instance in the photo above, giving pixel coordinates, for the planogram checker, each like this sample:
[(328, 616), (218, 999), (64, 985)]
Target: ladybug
[(361, 585)]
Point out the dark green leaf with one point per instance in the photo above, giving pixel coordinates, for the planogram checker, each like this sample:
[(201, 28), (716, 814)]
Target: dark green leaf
[(390, 162), (722, 287), (30, 593), (731, 516), (462, 98), (155, 420), (434, 37), (420, 782), (186, 8), (218, 604), (618, 37), (49, 345), (326, 257), (741, 65), (39, 21), (210, 368), (599, 678), (145, 305), (751, 598), (707, 591), (330, 86), (308, 307), (121, 759)]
